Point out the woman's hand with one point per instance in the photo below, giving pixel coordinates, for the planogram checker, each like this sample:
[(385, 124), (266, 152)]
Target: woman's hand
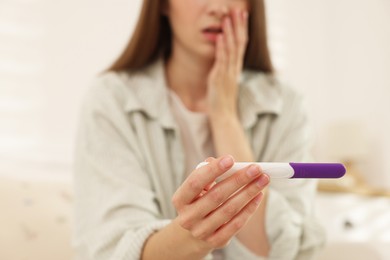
[(224, 75), (214, 213)]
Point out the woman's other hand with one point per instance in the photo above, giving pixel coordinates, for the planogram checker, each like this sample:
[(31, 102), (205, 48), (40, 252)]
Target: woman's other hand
[(213, 214), (229, 56)]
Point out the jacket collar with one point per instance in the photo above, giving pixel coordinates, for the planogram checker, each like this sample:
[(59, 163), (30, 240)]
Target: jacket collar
[(258, 94)]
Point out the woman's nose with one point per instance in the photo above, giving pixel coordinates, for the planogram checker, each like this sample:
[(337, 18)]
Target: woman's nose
[(218, 8)]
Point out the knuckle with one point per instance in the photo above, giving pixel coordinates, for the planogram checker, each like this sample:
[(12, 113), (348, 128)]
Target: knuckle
[(199, 233), (239, 179), (217, 242), (208, 168), (213, 167), (209, 159), (229, 211), (238, 223), (185, 222), (175, 200), (194, 184), (251, 208), (216, 195), (252, 191)]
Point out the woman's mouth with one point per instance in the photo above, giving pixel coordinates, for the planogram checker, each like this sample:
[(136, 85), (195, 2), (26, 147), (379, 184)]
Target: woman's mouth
[(211, 33)]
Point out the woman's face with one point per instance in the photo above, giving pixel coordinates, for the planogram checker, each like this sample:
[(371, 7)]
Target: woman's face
[(196, 23)]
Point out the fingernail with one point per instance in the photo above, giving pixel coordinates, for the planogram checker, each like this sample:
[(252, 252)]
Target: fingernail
[(263, 180), (253, 170), (226, 162)]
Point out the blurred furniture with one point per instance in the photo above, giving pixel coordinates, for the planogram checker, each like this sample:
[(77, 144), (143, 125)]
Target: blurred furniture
[(352, 182), (357, 227), (35, 219), (348, 142)]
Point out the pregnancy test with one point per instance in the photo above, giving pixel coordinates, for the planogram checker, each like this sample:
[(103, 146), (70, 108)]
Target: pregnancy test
[(290, 170)]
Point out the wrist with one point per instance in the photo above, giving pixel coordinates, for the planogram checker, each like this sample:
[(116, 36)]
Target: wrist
[(230, 138), (174, 242), (197, 248), (224, 120)]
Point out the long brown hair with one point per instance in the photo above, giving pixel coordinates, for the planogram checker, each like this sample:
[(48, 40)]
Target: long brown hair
[(152, 37)]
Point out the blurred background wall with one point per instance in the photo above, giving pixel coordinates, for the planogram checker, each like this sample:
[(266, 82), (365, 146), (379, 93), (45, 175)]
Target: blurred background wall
[(49, 52), (336, 52)]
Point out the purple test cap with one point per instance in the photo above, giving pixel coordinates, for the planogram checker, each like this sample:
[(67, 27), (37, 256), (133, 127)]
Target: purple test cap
[(318, 170)]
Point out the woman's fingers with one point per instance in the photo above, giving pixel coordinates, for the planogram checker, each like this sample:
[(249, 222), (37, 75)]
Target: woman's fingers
[(221, 54), (223, 190), (209, 159), (234, 204), (230, 208), (199, 179), (222, 236), (209, 186), (240, 18), (231, 48), (214, 213), (231, 44)]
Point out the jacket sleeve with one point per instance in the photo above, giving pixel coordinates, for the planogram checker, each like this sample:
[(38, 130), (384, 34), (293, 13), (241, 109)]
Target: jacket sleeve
[(115, 206), (292, 229), (236, 250)]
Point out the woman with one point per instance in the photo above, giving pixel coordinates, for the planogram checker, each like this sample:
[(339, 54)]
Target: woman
[(194, 82)]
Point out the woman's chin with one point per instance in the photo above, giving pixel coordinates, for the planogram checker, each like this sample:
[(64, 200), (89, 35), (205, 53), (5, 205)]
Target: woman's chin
[(208, 52)]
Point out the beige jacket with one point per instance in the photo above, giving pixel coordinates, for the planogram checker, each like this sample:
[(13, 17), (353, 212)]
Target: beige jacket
[(129, 162)]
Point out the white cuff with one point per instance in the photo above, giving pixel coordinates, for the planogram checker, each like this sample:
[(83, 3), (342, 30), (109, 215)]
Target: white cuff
[(236, 250), (131, 247)]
